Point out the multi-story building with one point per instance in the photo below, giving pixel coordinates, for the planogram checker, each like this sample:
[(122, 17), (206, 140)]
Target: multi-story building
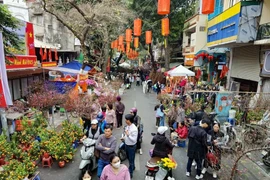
[(194, 38), (263, 41), (236, 28), (48, 33)]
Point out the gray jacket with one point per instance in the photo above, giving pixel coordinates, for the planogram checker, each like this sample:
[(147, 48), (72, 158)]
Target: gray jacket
[(106, 143)]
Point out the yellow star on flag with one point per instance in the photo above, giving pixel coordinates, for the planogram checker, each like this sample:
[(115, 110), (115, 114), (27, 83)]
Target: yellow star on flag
[(30, 35)]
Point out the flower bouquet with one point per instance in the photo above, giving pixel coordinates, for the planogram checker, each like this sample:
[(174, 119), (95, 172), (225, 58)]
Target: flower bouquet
[(91, 84), (165, 165)]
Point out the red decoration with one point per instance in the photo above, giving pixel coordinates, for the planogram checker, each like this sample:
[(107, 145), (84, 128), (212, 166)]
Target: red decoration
[(29, 31), (165, 26), (128, 35), (112, 45), (199, 73), (163, 7), (41, 52), (208, 6), (224, 71), (128, 47), (50, 54), (3, 103), (136, 42), (55, 55), (137, 27), (44, 57), (120, 40), (148, 37)]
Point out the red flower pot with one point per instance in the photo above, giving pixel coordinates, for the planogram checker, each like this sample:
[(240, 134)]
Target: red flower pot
[(61, 164)]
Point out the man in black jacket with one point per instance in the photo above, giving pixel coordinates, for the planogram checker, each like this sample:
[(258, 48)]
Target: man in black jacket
[(197, 146)]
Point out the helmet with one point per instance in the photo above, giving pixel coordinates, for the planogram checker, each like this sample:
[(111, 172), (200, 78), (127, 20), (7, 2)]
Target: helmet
[(133, 110), (100, 116)]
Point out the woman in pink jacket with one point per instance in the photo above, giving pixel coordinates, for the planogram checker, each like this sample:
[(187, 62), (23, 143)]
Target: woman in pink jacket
[(115, 170)]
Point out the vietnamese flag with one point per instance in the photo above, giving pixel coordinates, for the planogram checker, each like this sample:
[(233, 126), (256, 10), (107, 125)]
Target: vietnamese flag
[(55, 55), (50, 54), (29, 32), (44, 57), (41, 52)]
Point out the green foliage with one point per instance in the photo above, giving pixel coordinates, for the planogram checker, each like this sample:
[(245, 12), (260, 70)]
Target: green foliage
[(8, 24)]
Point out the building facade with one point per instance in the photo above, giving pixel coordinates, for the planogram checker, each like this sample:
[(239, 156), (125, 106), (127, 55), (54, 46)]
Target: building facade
[(236, 28)]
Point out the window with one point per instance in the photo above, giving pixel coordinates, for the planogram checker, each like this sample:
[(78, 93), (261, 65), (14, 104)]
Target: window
[(202, 28), (16, 89), (232, 2)]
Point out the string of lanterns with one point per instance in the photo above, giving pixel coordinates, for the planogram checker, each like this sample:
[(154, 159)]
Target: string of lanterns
[(125, 47)]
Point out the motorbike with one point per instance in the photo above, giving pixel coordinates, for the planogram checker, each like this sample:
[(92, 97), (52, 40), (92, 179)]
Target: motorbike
[(152, 165), (266, 153), (89, 161), (122, 151)]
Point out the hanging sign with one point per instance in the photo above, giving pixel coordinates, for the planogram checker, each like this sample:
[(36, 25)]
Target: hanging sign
[(21, 61)]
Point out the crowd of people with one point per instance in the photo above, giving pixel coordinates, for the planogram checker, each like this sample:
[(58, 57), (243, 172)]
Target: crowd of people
[(100, 128), (198, 130)]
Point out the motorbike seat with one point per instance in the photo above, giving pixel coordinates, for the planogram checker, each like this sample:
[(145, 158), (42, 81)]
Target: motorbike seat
[(153, 162)]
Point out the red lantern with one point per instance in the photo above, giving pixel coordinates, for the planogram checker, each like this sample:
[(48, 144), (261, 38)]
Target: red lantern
[(208, 6), (203, 54), (136, 42), (120, 40), (165, 29), (123, 48), (128, 47), (164, 7), (148, 37), (116, 44), (137, 27), (128, 35), (206, 54)]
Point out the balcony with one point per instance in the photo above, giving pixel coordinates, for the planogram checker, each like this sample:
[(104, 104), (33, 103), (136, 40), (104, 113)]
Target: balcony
[(263, 35), (264, 31)]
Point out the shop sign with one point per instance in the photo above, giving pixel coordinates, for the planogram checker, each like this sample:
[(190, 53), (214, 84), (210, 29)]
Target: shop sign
[(49, 64), (189, 60), (20, 61)]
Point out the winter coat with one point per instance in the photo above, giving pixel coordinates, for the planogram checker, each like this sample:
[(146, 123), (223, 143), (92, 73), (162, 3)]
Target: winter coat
[(197, 145), (108, 173), (95, 135), (162, 146), (199, 115), (182, 132)]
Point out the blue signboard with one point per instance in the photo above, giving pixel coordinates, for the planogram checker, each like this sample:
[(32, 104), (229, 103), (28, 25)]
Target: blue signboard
[(223, 103)]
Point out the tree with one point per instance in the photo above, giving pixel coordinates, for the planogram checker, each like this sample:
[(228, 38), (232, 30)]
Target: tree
[(93, 22), (180, 11), (8, 24)]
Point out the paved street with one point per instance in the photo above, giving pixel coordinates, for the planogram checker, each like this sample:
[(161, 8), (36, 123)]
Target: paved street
[(145, 104)]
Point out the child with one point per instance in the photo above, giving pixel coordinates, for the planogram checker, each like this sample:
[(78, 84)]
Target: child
[(103, 111), (138, 80), (157, 117)]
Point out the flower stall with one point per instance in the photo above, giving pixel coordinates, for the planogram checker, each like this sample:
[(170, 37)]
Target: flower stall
[(20, 156)]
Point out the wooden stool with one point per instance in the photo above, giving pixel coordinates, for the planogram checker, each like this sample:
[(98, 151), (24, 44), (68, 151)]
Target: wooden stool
[(47, 162)]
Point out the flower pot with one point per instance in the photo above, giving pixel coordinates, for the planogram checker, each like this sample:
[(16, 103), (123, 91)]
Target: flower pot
[(61, 164), (46, 155)]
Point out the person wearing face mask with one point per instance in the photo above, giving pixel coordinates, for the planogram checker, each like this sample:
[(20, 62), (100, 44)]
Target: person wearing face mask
[(115, 170), (85, 175)]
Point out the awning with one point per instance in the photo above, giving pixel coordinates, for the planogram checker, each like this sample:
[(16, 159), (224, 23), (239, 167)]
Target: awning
[(24, 72), (218, 50), (40, 44), (65, 70)]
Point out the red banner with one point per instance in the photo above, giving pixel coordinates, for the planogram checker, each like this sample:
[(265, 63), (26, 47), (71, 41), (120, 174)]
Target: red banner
[(3, 103), (49, 64), (21, 61), (29, 33)]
